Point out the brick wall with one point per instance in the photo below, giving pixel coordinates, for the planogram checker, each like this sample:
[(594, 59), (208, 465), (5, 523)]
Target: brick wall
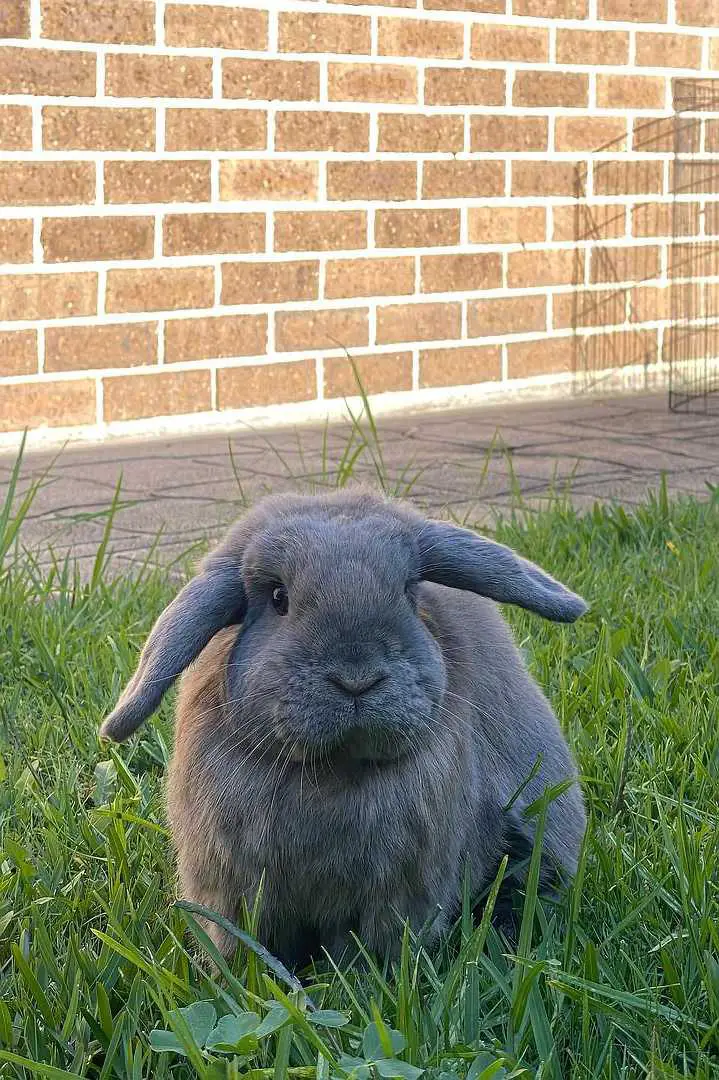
[(203, 204)]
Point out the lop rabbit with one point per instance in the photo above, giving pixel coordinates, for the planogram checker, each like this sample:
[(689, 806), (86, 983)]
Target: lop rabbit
[(356, 719)]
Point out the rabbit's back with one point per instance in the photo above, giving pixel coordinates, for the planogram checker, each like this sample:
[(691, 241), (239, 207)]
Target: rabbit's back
[(513, 724)]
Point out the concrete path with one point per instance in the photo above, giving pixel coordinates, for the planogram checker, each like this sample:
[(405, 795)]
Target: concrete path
[(462, 462)]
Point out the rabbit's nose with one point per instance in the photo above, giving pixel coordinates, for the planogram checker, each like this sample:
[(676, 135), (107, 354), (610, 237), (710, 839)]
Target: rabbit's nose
[(356, 683)]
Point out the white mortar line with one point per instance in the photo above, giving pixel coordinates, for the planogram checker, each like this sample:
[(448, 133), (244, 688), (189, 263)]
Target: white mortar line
[(35, 21), (160, 23)]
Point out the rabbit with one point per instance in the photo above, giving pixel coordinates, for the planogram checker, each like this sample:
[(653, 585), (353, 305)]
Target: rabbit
[(356, 720)]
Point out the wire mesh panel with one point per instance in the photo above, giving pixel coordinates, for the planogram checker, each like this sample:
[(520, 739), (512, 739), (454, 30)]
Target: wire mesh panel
[(691, 345), (623, 230)]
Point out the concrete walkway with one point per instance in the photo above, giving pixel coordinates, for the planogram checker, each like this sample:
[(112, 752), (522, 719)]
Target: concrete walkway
[(462, 462)]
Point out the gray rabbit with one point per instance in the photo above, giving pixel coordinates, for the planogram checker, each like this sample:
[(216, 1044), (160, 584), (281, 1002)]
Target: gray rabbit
[(356, 720)]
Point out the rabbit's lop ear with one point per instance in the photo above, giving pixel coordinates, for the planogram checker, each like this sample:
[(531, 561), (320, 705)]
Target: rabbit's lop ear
[(211, 601), (461, 559)]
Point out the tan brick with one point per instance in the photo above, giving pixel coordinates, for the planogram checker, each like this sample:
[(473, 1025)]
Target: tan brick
[(373, 82), (491, 7), (691, 260), (271, 180), (418, 134), (696, 13), (418, 322), (627, 263), (493, 41), (266, 384), (320, 230), (628, 177), (618, 348), (711, 219), (15, 127), (461, 366), (46, 71), (270, 80), (213, 234), (464, 86), (661, 134), (346, 278), (506, 224), (97, 238), (543, 178), (169, 393), (15, 241), (461, 273), (215, 27), (89, 127), (121, 22), (15, 19), (702, 177), (323, 328), (508, 133), (416, 228), (157, 181), (651, 11), (542, 357), (630, 92), (18, 352), (573, 221), (651, 303), (670, 50), (592, 47), (588, 308), (550, 88), (51, 404), (608, 307), (580, 222), (270, 282), (528, 269), (154, 75), (506, 315), (668, 299), (379, 373), (632, 346), (420, 37), (166, 289), (551, 9), (116, 345), (462, 179), (711, 134), (215, 336), (46, 183), (215, 129), (340, 132), (47, 296), (370, 180), (310, 31), (589, 132)]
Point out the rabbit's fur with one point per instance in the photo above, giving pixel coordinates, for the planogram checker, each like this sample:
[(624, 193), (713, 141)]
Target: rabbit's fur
[(356, 752)]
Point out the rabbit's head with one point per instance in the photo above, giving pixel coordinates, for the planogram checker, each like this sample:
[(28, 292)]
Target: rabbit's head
[(335, 649)]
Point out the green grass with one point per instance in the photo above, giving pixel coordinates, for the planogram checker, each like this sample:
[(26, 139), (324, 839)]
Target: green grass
[(100, 973)]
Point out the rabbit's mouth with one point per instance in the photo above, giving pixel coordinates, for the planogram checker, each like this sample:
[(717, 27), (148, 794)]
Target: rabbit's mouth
[(359, 750), (369, 747), (351, 732)]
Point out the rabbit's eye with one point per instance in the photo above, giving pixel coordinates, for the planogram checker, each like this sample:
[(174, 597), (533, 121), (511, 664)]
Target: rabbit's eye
[(280, 600)]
